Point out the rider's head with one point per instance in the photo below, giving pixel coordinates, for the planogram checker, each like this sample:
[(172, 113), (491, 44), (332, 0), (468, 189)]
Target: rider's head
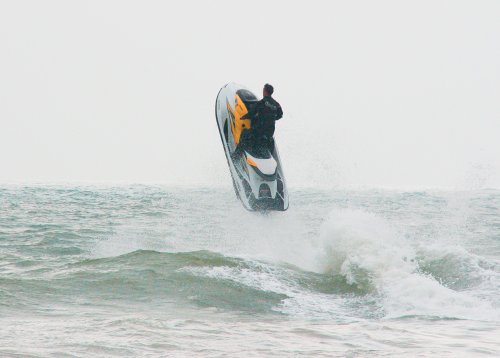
[(268, 90)]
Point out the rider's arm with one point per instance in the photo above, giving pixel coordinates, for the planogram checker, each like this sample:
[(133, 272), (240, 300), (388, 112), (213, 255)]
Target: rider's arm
[(279, 112), (253, 111)]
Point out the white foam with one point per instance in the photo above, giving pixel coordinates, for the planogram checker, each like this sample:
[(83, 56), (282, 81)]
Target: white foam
[(263, 277), (368, 252)]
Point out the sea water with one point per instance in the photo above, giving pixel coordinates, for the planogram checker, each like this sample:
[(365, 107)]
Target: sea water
[(152, 271)]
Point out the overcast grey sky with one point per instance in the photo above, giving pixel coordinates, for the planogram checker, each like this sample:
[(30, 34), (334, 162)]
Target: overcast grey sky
[(375, 93)]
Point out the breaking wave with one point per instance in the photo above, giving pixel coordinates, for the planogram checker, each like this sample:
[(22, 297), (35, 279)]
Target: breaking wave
[(355, 265)]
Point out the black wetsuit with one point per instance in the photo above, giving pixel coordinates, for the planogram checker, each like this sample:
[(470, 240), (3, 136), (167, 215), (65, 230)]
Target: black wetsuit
[(263, 114)]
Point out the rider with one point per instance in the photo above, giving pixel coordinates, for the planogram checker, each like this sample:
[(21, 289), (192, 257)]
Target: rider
[(263, 114)]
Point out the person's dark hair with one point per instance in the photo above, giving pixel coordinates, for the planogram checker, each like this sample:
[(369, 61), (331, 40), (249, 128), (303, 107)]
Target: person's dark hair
[(269, 89)]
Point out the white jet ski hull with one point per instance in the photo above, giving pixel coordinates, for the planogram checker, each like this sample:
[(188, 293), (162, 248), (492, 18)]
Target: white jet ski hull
[(259, 182)]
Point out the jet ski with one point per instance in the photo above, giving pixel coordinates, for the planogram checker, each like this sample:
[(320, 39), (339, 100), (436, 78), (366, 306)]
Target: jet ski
[(255, 169)]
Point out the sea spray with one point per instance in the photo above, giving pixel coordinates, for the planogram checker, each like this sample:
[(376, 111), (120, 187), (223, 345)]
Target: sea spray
[(372, 255)]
